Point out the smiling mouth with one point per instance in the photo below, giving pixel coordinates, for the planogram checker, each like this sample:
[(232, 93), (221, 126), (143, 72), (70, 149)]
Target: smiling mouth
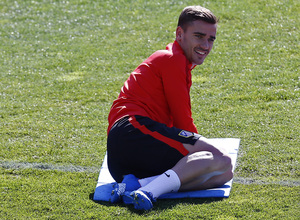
[(200, 52)]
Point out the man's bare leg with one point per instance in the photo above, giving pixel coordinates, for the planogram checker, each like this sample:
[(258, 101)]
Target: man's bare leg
[(197, 170), (194, 171), (212, 182)]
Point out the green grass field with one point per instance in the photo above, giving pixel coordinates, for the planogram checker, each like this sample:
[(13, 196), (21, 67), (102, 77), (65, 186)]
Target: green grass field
[(62, 63)]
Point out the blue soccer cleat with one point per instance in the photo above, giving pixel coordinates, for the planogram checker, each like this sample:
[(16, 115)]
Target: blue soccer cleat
[(110, 192), (132, 182), (139, 199)]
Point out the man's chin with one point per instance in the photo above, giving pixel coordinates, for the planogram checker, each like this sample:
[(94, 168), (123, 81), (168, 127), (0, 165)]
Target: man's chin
[(199, 62)]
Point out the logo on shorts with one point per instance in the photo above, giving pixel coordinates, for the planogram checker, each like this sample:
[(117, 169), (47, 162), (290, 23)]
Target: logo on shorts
[(185, 134)]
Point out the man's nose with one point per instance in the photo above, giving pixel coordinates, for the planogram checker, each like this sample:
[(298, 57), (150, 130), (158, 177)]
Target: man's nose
[(204, 44)]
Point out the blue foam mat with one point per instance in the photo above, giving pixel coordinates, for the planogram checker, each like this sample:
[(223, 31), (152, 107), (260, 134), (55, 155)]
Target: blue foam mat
[(232, 146)]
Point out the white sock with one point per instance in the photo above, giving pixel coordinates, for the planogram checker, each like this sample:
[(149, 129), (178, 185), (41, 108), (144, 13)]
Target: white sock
[(164, 183), (145, 181)]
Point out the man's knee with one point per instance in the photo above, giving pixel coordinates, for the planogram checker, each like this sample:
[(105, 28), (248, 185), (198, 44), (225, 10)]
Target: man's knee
[(227, 160), (220, 164), (211, 162), (224, 162), (228, 175)]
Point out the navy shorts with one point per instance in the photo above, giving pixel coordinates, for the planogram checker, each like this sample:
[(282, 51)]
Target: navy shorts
[(143, 147)]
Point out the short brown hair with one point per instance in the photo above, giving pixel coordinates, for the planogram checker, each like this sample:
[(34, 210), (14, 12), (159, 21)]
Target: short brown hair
[(193, 13)]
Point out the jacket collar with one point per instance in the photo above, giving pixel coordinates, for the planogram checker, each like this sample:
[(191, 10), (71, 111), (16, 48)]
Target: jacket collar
[(178, 48)]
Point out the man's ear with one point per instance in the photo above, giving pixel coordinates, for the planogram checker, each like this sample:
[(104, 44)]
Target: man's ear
[(179, 33)]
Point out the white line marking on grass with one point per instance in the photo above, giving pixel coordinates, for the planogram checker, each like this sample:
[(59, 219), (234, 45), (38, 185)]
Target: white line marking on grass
[(248, 181), (73, 168), (44, 166)]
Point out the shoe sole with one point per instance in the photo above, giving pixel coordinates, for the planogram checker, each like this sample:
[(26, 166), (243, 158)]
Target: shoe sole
[(138, 199)]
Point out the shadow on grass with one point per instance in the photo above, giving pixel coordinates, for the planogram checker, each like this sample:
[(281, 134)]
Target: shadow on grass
[(161, 204)]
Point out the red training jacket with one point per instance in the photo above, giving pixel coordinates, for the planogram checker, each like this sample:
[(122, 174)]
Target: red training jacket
[(159, 88)]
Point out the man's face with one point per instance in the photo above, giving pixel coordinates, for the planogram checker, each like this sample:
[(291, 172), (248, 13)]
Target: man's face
[(197, 40)]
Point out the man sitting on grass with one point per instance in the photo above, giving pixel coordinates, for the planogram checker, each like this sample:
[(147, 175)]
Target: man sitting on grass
[(153, 146)]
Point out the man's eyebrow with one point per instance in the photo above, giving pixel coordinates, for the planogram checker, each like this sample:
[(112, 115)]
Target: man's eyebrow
[(202, 34), (199, 33)]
